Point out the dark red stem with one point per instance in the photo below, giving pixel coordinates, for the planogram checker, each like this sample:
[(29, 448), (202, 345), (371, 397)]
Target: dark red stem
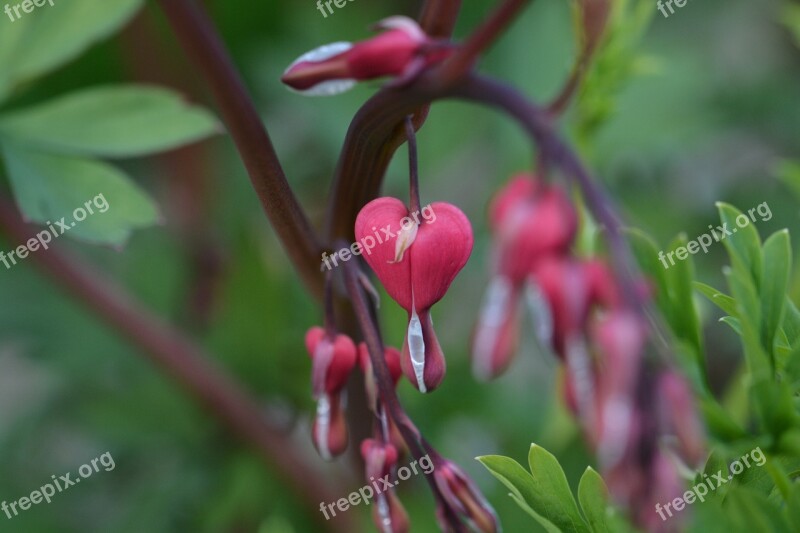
[(413, 165), (202, 43)]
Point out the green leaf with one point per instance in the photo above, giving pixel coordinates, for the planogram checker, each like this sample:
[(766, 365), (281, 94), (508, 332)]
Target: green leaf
[(593, 497), (113, 121), (646, 252), (791, 324), (774, 285), (519, 481), (48, 187), (743, 242), (718, 298), (545, 494), (555, 494), (789, 171), (52, 35), (685, 321), (734, 323), (752, 511)]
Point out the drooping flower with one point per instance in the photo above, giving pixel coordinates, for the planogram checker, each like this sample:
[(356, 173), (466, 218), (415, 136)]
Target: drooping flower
[(388, 513), (403, 50), (465, 498), (418, 277), (333, 358), (531, 222), (392, 358)]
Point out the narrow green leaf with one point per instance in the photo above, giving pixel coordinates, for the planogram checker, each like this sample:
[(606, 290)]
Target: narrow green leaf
[(593, 497), (718, 298), (774, 284), (646, 252), (555, 495), (113, 121), (740, 238), (49, 187), (734, 323), (55, 34), (685, 321), (791, 324)]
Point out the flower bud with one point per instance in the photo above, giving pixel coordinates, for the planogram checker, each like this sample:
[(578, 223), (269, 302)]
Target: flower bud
[(461, 494), (532, 221), (333, 360), (678, 409), (494, 342), (329, 431), (420, 278), (401, 50), (388, 513), (619, 337)]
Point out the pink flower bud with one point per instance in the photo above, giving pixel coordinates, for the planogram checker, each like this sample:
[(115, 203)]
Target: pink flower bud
[(620, 338), (532, 221), (496, 335), (420, 278), (463, 496), (678, 409), (388, 513), (333, 360), (329, 431), (334, 68)]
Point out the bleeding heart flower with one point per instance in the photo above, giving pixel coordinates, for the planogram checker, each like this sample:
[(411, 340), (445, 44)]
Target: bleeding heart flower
[(496, 334), (531, 221), (332, 361), (464, 497), (388, 513), (421, 278), (620, 337), (402, 50), (679, 415)]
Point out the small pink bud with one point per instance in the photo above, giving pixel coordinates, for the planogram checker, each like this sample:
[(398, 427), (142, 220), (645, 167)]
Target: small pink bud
[(565, 286), (494, 342), (678, 409), (329, 431), (388, 513), (531, 221), (421, 278), (333, 360), (464, 497), (335, 68), (620, 338)]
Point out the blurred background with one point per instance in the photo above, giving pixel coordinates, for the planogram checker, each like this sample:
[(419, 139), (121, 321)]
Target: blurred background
[(707, 112)]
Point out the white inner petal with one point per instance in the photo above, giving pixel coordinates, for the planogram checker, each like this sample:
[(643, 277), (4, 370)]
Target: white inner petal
[(323, 425), (326, 88), (326, 51), (490, 324), (580, 367), (616, 427), (385, 514), (416, 348), (541, 314)]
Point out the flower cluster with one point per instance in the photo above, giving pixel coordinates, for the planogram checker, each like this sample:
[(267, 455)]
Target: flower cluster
[(580, 314)]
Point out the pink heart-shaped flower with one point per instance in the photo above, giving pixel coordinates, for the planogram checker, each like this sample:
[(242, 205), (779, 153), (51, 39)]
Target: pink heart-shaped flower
[(417, 257)]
